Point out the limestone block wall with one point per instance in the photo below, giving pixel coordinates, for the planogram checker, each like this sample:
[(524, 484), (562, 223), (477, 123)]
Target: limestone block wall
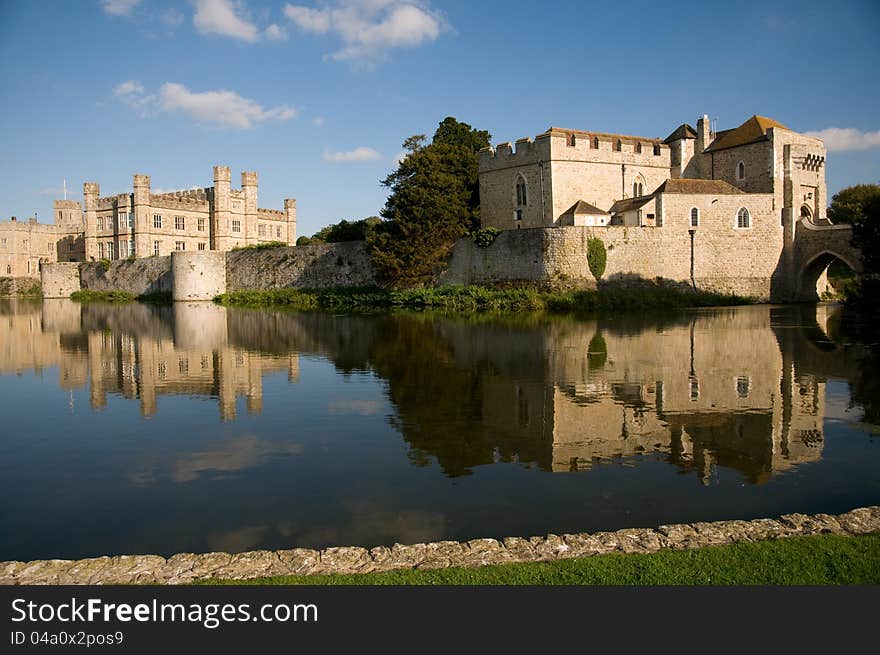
[(60, 280), (314, 266), (137, 276)]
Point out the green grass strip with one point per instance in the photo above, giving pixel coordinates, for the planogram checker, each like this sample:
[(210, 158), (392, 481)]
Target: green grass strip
[(478, 299), (813, 560), (86, 295)]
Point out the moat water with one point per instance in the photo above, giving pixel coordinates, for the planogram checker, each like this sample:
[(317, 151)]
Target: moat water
[(192, 427)]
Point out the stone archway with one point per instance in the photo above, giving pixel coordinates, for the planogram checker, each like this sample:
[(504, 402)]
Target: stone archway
[(813, 279)]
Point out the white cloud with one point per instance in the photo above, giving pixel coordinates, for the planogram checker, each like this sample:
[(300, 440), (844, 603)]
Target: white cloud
[(225, 18), (318, 121), (225, 108), (119, 7), (847, 138), (358, 154), (275, 33), (368, 28)]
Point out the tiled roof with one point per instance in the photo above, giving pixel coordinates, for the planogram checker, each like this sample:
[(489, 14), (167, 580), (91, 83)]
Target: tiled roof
[(629, 204), (683, 131), (753, 130), (715, 187), (581, 207)]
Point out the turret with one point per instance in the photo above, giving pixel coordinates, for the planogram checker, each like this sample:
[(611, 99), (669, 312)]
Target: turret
[(220, 216), (290, 217), (141, 207), (91, 190)]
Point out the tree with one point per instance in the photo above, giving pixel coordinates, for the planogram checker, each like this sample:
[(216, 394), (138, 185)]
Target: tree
[(596, 257), (347, 230), (434, 200), (866, 234), (847, 205)]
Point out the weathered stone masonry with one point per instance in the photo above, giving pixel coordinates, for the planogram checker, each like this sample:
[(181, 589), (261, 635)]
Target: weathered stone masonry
[(185, 568)]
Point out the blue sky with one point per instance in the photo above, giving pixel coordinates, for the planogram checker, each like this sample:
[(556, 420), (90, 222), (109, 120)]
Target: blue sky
[(318, 96)]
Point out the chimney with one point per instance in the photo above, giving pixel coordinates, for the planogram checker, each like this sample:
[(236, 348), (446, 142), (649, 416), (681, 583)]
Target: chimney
[(703, 127), (14, 218)]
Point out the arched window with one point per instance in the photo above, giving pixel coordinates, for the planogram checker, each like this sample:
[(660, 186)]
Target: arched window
[(8, 269), (743, 218), (596, 142), (572, 140), (740, 171), (521, 193), (639, 147), (695, 217)]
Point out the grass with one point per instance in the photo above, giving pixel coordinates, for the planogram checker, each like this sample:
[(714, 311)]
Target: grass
[(813, 560), (478, 299), (86, 295)]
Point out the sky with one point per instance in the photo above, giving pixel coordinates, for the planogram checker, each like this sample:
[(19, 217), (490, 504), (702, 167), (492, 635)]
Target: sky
[(318, 96)]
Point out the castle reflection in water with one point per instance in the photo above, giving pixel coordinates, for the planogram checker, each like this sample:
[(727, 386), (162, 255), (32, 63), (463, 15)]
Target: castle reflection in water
[(738, 388)]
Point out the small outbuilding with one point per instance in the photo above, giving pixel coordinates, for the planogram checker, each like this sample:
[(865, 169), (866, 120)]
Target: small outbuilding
[(583, 214)]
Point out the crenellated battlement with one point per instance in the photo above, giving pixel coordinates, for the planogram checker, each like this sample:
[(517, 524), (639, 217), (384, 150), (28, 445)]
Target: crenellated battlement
[(187, 195), (271, 213)]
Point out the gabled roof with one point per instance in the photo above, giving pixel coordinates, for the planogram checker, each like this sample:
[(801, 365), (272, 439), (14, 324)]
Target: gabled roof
[(714, 187), (581, 207), (683, 131), (629, 204), (752, 131)]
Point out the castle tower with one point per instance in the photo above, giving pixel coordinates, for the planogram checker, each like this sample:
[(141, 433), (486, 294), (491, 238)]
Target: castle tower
[(249, 192), (90, 208), (290, 217), (142, 219), (220, 214)]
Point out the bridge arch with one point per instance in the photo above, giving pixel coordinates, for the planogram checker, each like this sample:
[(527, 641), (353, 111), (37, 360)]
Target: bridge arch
[(813, 278)]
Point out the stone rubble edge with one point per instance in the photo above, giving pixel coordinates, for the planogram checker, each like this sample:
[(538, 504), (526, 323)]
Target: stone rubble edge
[(185, 568)]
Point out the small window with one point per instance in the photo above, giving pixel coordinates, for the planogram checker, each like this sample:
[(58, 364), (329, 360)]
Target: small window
[(695, 217), (596, 142), (236, 226), (694, 389), (521, 193), (618, 146), (236, 205), (519, 214), (156, 248), (131, 220), (261, 230), (656, 149), (180, 245), (201, 225), (100, 222), (8, 269), (639, 148), (572, 140), (743, 218), (743, 386), (157, 221), (201, 246), (278, 231), (740, 171), (101, 250), (179, 223)]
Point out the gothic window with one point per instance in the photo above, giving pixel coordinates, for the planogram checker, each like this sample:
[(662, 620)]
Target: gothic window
[(695, 217), (740, 171), (521, 193), (743, 218), (596, 142)]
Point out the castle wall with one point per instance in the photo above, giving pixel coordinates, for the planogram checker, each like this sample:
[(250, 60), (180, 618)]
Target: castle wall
[(314, 266), (24, 246), (60, 280), (137, 276)]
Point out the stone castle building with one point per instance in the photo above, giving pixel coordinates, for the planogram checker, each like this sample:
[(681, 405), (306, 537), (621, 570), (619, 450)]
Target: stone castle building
[(722, 207), (141, 223)]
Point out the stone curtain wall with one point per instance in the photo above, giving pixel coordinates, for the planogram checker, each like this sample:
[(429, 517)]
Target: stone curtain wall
[(185, 568), (137, 276), (315, 266), (60, 280)]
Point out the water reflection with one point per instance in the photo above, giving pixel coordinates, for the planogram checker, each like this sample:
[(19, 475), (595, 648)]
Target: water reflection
[(264, 423)]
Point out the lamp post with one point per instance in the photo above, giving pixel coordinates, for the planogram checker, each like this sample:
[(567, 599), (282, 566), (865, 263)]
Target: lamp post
[(691, 232)]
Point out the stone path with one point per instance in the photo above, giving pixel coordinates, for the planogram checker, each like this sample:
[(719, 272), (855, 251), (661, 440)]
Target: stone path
[(187, 567)]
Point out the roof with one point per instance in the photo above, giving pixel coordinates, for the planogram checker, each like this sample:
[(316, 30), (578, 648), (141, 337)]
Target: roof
[(752, 131), (629, 204), (581, 207), (683, 131), (714, 187)]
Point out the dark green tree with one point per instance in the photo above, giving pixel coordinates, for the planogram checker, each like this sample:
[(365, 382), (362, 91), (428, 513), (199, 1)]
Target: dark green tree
[(866, 234), (847, 205), (434, 200), (347, 230)]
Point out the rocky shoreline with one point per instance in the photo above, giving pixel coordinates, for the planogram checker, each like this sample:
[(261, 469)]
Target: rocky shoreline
[(185, 568)]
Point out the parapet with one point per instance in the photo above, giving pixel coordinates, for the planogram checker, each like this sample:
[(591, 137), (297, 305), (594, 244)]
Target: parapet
[(289, 203), (526, 151), (141, 180)]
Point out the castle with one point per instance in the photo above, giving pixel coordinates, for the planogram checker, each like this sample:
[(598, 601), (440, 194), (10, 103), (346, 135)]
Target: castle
[(740, 210), (143, 224)]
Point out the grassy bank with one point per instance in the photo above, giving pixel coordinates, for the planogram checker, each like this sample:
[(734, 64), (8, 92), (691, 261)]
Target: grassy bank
[(478, 299), (118, 296), (814, 560)]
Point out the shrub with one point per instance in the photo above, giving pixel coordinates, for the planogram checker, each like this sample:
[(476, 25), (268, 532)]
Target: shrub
[(486, 237), (596, 257), (303, 241), (105, 264), (262, 246)]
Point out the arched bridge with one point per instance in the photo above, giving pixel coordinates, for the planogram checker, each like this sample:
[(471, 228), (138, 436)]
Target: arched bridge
[(816, 245)]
